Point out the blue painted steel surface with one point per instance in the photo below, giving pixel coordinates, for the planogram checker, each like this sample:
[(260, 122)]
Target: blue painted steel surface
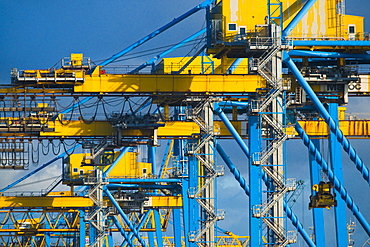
[(160, 173), (293, 218), (234, 65), (337, 184), (336, 165), (143, 219), (152, 61), (233, 169), (331, 43), (176, 215), (255, 189), (147, 186), (149, 180), (194, 207), (82, 234), (116, 161), (327, 54), (233, 103), (158, 228), (186, 209), (124, 217), (347, 147), (47, 240), (151, 238), (318, 213), (122, 231), (40, 168), (158, 31), (218, 111), (298, 17)]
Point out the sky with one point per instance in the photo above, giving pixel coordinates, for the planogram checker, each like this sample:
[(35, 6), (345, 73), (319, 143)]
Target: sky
[(37, 34)]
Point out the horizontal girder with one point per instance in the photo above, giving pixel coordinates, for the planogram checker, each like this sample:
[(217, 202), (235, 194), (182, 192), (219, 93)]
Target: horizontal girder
[(182, 129), (77, 202)]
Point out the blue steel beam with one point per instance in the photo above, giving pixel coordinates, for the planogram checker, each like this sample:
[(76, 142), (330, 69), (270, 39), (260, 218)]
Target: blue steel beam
[(166, 154), (82, 232), (347, 147), (233, 103), (146, 186), (194, 10), (40, 168), (122, 231), (337, 184), (326, 54), (218, 111), (147, 180), (161, 55), (331, 43), (139, 226), (240, 179), (124, 217), (298, 17), (318, 213), (336, 165), (255, 175), (120, 156), (234, 65)]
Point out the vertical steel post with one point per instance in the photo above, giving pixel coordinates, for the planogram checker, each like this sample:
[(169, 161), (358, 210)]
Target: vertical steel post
[(336, 165), (186, 209), (92, 234), (255, 191), (82, 228), (178, 152), (158, 228), (47, 240), (151, 238), (318, 213), (194, 210), (176, 226)]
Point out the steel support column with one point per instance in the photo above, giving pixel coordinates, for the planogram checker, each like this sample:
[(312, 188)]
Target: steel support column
[(255, 190), (336, 165), (318, 213)]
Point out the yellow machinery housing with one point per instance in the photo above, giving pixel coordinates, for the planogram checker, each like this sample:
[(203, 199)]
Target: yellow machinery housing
[(324, 197), (77, 167)]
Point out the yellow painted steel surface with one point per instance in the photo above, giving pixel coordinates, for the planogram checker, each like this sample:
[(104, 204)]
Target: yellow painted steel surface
[(47, 201), (352, 128), (195, 67), (111, 83), (173, 129), (165, 201), (322, 20), (76, 202)]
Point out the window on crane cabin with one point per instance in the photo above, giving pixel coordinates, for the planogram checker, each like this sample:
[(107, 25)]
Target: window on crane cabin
[(351, 32), (232, 27)]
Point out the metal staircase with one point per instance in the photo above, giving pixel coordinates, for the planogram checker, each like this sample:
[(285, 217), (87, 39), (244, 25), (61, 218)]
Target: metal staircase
[(98, 214), (204, 194), (271, 107)]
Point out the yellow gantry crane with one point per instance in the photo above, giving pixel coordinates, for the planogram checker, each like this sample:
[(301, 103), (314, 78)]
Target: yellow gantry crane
[(268, 71)]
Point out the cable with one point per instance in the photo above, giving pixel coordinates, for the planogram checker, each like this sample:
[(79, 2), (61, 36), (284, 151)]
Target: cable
[(34, 182), (161, 48), (93, 117), (53, 147)]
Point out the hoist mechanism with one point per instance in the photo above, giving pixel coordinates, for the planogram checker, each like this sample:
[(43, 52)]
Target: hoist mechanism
[(324, 197)]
